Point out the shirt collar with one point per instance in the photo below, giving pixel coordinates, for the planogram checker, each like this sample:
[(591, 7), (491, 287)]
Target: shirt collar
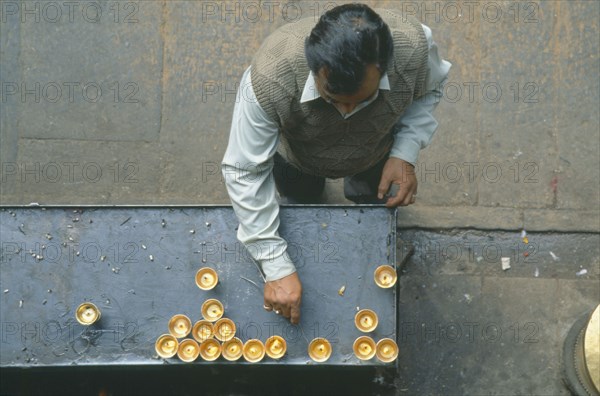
[(310, 91)]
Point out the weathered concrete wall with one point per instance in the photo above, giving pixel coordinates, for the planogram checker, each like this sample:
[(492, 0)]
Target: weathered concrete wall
[(130, 103)]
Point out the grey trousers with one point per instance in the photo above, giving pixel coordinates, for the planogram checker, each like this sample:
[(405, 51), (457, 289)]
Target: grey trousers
[(299, 187)]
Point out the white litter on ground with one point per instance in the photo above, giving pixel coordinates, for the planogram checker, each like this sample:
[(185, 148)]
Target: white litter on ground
[(505, 263)]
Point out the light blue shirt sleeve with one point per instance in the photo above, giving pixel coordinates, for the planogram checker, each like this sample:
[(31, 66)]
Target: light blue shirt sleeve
[(416, 126), (247, 169)]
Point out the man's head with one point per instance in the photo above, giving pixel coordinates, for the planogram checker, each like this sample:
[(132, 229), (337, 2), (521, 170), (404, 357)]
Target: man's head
[(348, 50)]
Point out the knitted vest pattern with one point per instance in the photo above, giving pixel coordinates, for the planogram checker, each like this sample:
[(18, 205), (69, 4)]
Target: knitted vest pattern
[(313, 135)]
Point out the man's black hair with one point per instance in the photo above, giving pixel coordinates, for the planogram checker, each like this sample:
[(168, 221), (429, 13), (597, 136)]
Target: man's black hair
[(346, 39)]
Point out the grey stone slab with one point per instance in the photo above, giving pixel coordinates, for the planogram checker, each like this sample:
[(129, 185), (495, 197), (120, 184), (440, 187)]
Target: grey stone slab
[(437, 329), (206, 51), (529, 360), (577, 99), (492, 218), (97, 77), (517, 87), (473, 252), (208, 46), (9, 74), (190, 174), (576, 298), (82, 172), (563, 220), (486, 218), (443, 170), (460, 335), (464, 328)]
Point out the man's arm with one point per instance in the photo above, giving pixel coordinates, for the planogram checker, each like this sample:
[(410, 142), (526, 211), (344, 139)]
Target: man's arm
[(247, 168), (414, 130)]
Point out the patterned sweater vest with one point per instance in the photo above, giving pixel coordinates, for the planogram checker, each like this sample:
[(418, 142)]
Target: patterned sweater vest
[(314, 135)]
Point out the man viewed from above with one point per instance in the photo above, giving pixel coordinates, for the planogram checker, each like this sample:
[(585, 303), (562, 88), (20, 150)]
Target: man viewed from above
[(350, 97)]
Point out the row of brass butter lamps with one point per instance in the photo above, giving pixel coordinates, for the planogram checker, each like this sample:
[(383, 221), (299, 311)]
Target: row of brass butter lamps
[(214, 335)]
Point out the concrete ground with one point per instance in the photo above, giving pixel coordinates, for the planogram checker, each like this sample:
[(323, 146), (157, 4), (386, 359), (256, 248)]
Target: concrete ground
[(146, 95)]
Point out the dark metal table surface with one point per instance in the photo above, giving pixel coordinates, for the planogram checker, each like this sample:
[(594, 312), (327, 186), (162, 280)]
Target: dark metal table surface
[(137, 264)]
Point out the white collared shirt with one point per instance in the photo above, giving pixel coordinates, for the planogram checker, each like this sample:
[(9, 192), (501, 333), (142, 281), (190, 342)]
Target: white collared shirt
[(248, 162), (311, 92)]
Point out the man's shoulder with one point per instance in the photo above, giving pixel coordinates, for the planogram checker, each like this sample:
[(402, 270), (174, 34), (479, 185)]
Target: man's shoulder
[(410, 46), (300, 28), (288, 36), (407, 32), (396, 19), (280, 61)]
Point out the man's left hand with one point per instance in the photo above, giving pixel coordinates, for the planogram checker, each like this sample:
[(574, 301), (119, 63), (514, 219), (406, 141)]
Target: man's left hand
[(402, 173)]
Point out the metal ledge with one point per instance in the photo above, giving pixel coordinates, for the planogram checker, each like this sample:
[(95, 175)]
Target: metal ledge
[(140, 273)]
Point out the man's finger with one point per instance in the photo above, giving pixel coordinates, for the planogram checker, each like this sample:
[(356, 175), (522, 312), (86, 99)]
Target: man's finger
[(384, 186), (392, 202), (295, 314), (267, 304), (285, 311), (394, 189), (408, 199), (398, 199)]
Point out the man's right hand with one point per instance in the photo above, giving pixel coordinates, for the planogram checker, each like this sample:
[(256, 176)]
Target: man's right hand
[(284, 296)]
